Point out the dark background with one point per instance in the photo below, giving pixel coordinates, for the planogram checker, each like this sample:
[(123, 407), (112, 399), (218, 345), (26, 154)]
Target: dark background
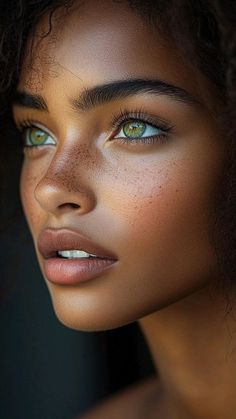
[(48, 371)]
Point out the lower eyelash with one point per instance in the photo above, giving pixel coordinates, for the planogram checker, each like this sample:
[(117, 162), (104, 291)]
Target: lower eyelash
[(158, 139), (123, 116)]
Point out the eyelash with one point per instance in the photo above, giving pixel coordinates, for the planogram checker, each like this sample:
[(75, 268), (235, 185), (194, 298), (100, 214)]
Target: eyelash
[(126, 115), (117, 120), (22, 128)]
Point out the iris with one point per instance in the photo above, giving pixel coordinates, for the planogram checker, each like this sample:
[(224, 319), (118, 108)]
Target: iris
[(134, 129)]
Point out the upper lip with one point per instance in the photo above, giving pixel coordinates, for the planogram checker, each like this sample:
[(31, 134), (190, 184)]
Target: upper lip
[(50, 241)]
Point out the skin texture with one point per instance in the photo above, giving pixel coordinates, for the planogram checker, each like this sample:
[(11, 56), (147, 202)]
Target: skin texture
[(155, 202)]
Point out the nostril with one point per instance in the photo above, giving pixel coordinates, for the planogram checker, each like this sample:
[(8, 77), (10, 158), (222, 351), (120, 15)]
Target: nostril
[(75, 205), (70, 204), (57, 197)]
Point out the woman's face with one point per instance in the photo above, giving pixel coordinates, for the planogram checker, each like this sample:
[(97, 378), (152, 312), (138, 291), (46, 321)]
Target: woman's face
[(132, 167)]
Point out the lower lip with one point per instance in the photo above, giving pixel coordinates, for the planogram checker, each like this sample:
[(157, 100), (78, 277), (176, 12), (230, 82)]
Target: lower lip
[(73, 271)]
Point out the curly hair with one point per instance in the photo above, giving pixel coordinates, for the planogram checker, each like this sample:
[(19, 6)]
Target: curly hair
[(205, 31), (192, 25)]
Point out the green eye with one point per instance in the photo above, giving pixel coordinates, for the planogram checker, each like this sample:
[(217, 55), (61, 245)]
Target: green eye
[(134, 129), (35, 136)]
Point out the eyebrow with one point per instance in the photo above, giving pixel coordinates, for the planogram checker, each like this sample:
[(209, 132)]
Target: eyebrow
[(105, 93), (27, 100), (119, 89)]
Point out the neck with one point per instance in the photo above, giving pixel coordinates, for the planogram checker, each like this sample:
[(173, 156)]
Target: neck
[(192, 344)]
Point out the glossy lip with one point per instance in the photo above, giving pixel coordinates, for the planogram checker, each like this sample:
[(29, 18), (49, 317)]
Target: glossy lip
[(51, 240), (71, 271)]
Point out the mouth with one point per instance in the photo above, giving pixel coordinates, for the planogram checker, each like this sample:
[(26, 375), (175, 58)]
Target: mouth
[(75, 254), (70, 258)]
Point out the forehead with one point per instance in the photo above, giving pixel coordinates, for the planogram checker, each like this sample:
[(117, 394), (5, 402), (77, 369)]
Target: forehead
[(83, 33), (94, 45)]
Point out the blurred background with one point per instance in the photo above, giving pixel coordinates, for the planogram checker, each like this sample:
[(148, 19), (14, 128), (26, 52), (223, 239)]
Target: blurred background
[(48, 371)]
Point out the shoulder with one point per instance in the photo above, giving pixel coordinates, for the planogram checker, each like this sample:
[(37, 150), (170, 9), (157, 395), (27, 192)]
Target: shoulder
[(132, 402)]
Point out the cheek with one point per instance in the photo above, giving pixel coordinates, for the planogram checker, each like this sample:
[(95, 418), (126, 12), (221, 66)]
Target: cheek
[(162, 233), (161, 197), (166, 214)]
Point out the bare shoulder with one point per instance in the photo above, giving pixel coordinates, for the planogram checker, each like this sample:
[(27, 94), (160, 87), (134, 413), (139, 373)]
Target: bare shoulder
[(136, 402)]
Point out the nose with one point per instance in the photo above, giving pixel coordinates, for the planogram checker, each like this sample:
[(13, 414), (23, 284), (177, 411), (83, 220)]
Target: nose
[(63, 187)]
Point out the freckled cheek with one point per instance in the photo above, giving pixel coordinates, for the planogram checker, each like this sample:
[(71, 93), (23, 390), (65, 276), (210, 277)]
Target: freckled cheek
[(163, 211), (139, 205), (149, 213)]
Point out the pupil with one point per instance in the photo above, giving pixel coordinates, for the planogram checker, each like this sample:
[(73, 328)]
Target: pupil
[(134, 129)]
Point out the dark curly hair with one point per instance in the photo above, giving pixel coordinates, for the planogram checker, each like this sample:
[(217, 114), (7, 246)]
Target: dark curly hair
[(204, 30)]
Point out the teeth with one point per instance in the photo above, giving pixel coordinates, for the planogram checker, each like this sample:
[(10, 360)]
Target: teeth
[(72, 254)]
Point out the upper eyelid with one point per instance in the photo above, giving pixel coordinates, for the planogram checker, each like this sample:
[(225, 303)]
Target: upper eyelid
[(139, 114), (117, 120), (22, 125)]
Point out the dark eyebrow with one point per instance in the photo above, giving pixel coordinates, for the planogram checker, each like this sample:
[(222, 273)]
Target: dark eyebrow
[(27, 100), (108, 92), (119, 89)]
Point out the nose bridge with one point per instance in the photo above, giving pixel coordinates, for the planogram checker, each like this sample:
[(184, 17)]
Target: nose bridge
[(65, 182), (61, 171)]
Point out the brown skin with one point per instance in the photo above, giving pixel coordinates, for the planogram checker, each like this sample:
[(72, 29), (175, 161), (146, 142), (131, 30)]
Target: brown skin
[(154, 201)]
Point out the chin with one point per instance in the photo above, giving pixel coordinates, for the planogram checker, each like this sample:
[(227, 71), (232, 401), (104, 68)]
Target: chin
[(89, 316), (88, 323), (92, 306)]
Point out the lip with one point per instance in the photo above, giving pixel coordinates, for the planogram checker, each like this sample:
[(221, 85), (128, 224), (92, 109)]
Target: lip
[(71, 271)]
